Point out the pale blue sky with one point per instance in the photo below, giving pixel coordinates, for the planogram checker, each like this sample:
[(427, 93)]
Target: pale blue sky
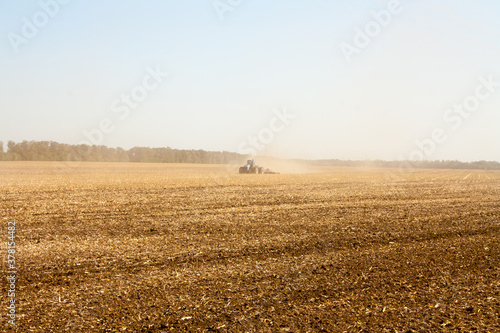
[(227, 76)]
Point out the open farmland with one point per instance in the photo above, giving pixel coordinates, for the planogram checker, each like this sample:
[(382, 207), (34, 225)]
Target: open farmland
[(160, 248)]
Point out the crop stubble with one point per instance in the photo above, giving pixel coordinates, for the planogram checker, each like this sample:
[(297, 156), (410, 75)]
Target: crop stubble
[(155, 247)]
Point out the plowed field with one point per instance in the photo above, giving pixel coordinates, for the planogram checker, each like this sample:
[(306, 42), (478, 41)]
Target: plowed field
[(161, 248)]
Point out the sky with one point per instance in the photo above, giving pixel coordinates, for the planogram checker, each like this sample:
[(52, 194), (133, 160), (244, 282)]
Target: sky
[(315, 79)]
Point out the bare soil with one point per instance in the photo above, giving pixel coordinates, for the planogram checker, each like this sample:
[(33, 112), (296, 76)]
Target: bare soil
[(105, 247)]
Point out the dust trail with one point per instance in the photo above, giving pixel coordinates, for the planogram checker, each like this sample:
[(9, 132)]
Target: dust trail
[(284, 166)]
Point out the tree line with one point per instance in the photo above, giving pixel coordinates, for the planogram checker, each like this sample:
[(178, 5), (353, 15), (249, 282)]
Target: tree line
[(54, 151)]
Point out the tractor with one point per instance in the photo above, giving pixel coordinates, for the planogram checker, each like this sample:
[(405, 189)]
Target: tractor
[(251, 167)]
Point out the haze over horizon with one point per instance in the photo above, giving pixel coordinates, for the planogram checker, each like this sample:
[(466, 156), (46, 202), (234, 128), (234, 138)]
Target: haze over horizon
[(320, 79)]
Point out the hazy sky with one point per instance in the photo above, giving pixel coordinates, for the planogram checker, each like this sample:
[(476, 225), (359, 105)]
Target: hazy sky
[(350, 79)]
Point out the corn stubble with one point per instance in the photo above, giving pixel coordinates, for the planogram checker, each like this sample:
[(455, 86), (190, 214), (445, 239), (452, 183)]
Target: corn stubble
[(159, 248)]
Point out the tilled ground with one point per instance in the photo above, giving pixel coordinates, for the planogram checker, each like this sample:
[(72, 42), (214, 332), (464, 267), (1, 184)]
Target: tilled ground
[(159, 248)]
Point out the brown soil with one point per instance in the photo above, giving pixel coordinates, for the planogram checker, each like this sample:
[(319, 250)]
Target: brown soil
[(160, 248)]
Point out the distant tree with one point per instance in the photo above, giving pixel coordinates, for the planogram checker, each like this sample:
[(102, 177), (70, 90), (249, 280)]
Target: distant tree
[(12, 151)]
